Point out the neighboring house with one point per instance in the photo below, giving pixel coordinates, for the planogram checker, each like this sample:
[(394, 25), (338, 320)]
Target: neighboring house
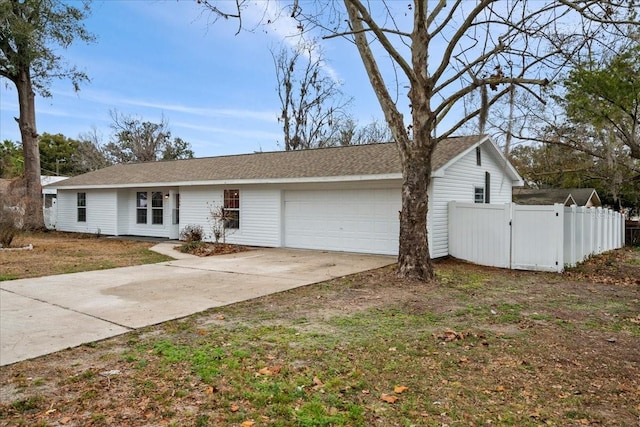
[(587, 197), (49, 199), (339, 199), (49, 193)]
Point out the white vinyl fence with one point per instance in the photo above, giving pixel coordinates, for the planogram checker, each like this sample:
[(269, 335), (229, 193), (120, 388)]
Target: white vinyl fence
[(50, 217), (543, 238)]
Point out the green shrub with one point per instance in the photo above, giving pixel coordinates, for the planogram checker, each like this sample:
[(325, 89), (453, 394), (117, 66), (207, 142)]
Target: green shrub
[(191, 247)]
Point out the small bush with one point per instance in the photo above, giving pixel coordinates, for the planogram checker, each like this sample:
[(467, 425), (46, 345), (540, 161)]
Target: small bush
[(192, 233), (7, 232), (193, 246)]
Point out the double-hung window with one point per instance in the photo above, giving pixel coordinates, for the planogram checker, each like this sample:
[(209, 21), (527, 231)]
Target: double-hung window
[(231, 209), (156, 208), (82, 207), (141, 207), (478, 195)]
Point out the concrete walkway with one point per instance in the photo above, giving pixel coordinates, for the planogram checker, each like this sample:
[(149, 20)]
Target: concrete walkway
[(43, 315)]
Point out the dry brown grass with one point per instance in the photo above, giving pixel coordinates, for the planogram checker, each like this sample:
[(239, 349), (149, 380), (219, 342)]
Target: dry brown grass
[(58, 253), (481, 346)]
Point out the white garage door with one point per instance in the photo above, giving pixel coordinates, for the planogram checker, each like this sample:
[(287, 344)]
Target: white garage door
[(343, 220)]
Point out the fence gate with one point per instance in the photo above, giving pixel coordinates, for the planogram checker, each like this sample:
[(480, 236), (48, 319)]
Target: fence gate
[(542, 238), (480, 233), (535, 242)]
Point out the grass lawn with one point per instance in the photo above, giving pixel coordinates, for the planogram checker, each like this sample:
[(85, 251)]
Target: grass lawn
[(58, 253), (481, 346)]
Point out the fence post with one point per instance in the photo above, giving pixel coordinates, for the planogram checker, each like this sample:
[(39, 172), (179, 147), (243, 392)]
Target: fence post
[(558, 209), (580, 242), (569, 236), (598, 231), (623, 230)]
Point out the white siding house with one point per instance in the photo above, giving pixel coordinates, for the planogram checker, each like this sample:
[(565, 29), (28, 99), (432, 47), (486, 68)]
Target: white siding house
[(481, 172), (339, 199)]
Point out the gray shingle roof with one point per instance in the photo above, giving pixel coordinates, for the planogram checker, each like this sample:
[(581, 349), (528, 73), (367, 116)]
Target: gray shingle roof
[(583, 195), (549, 196), (372, 159)]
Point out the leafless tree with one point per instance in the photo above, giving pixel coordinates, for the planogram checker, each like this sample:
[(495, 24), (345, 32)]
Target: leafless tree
[(347, 131), (140, 141), (90, 154), (311, 101), (445, 51)]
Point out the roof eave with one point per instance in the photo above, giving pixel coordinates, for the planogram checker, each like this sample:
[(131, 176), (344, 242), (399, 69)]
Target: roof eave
[(303, 180)]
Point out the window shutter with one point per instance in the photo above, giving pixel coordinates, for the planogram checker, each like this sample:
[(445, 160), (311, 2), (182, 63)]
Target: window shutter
[(487, 187)]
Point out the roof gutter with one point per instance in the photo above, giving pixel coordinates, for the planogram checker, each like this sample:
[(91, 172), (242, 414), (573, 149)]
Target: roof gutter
[(347, 178)]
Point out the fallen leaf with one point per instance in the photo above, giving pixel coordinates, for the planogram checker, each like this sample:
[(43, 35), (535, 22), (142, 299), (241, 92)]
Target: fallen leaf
[(51, 411), (270, 370), (400, 389), (264, 371), (450, 335), (318, 382), (500, 388), (219, 317), (248, 424), (393, 349), (389, 398), (202, 332), (234, 408), (64, 420), (210, 390)]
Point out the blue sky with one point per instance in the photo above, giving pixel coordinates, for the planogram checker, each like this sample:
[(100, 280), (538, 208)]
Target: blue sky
[(155, 59)]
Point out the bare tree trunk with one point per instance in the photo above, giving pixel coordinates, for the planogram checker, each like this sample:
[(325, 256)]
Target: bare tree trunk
[(415, 153), (414, 261), (27, 122)]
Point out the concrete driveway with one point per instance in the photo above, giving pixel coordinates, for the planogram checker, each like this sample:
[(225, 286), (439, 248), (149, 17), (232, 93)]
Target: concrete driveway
[(47, 314)]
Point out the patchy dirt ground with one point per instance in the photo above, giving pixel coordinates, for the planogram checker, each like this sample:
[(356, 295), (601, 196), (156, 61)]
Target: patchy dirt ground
[(482, 346), (58, 253)]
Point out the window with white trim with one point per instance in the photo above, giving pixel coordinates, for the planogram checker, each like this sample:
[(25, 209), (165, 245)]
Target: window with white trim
[(141, 207), (231, 209), (157, 210), (478, 194), (82, 207)]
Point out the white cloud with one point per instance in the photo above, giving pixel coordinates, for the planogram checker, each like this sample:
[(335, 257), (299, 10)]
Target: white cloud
[(256, 134), (275, 16), (114, 99)]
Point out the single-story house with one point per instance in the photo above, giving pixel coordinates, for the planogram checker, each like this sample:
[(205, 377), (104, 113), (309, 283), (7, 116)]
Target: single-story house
[(338, 199), (49, 192), (587, 197)]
